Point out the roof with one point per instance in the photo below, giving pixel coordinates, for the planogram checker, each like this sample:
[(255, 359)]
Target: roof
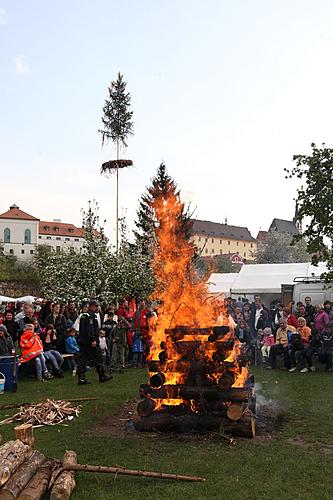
[(283, 226), (14, 212), (60, 229), (262, 236), (215, 229)]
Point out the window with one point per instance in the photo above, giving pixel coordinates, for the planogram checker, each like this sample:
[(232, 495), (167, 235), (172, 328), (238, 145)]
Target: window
[(206, 239), (206, 250), (220, 242), (48, 237), (251, 245), (58, 238), (40, 237), (220, 251), (212, 240), (22, 251), (31, 252), (228, 242), (76, 239), (67, 239), (212, 250), (11, 251), (6, 235), (244, 254), (245, 244), (27, 236), (58, 249), (237, 243)]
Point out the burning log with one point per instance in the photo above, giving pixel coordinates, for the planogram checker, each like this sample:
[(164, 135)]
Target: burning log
[(22, 476), (146, 407), (235, 394), (12, 455), (39, 484), (226, 381), (65, 482), (165, 422), (157, 380)]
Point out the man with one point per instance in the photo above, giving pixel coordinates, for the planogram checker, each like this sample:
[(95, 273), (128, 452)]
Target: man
[(27, 319), (310, 310), (6, 342), (281, 345), (22, 313), (326, 352), (89, 345)]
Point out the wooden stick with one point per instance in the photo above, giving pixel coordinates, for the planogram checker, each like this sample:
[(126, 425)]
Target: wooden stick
[(25, 434), (17, 405), (130, 472), (65, 482)]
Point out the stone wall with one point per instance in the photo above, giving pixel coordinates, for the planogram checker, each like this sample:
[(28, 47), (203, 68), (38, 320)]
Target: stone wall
[(13, 289)]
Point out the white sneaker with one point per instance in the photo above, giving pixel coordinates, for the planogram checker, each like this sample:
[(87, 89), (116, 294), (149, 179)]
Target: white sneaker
[(293, 369), (312, 368), (305, 370), (74, 372)]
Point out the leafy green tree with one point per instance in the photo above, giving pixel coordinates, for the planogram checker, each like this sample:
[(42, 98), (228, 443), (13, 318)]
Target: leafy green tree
[(280, 248), (117, 127), (315, 203), (216, 264)]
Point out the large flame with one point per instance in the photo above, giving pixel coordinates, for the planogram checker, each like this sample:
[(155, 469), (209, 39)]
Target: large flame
[(182, 297)]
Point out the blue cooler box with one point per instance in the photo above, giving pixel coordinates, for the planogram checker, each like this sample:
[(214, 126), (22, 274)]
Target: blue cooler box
[(6, 367)]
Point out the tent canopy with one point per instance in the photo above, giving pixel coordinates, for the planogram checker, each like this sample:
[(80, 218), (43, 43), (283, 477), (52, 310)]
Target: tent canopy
[(221, 283)]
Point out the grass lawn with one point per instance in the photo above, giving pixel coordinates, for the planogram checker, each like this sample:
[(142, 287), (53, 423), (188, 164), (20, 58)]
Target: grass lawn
[(296, 462)]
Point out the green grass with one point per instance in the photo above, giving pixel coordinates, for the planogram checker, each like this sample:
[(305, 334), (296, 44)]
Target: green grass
[(253, 469)]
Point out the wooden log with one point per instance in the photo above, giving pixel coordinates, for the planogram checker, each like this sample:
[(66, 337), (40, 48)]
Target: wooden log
[(179, 331), (25, 433), (208, 393), (198, 423), (11, 458), (157, 379), (22, 476), (235, 411), (146, 407), (39, 483), (226, 381), (65, 483), (131, 472)]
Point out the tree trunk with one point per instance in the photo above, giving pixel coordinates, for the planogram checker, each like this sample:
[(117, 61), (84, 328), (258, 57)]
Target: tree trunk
[(25, 433), (39, 484), (208, 393), (117, 200), (65, 483), (199, 423), (12, 455), (22, 476)]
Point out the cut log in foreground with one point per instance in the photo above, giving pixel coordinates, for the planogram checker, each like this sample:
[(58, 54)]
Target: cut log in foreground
[(39, 484), (65, 482), (130, 472), (164, 422), (25, 433), (22, 476), (12, 455)]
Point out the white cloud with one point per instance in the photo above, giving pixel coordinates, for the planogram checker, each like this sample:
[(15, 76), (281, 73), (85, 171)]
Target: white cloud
[(21, 65), (3, 17)]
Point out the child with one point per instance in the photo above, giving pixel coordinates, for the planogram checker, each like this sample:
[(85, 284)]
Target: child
[(267, 342), (137, 349), (103, 345), (118, 337), (72, 347)]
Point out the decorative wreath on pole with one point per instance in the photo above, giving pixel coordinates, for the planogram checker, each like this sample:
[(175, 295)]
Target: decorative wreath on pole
[(111, 166)]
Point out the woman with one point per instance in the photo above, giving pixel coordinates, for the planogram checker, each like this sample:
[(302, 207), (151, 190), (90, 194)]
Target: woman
[(321, 318), (49, 339), (300, 347)]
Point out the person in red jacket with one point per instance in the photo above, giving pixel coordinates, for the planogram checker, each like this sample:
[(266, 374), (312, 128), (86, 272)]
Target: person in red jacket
[(32, 348), (290, 318), (141, 325)]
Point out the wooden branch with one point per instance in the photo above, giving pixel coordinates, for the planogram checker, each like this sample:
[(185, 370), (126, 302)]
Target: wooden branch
[(22, 476), (18, 405), (25, 434), (65, 482), (11, 457), (39, 483), (130, 472)]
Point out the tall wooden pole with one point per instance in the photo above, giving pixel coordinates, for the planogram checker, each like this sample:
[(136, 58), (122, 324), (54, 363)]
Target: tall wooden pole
[(117, 200)]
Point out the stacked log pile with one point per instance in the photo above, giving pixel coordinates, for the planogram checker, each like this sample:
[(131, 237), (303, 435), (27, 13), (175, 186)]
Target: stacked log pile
[(206, 398)]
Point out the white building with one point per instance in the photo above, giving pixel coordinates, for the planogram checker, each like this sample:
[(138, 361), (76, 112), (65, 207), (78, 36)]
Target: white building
[(20, 233)]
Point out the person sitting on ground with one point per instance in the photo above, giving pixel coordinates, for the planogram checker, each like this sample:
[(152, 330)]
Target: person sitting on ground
[(51, 354), (11, 325), (267, 342), (281, 344), (299, 347), (326, 352), (72, 347), (32, 349), (321, 318), (6, 342)]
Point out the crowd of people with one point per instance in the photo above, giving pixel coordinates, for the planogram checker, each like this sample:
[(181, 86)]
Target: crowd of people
[(297, 334), (48, 334)]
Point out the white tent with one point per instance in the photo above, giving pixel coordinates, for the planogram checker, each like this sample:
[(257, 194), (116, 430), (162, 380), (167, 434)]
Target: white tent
[(221, 283), (268, 278)]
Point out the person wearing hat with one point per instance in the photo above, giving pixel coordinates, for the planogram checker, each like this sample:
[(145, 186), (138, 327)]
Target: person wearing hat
[(89, 345)]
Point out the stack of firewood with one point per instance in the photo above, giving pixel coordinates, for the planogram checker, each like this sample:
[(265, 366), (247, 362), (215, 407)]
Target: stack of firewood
[(49, 412)]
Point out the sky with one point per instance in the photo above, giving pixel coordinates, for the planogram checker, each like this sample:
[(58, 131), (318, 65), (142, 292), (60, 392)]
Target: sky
[(224, 92)]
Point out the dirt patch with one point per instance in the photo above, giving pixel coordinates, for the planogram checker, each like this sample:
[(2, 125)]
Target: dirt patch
[(326, 449), (269, 420)]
